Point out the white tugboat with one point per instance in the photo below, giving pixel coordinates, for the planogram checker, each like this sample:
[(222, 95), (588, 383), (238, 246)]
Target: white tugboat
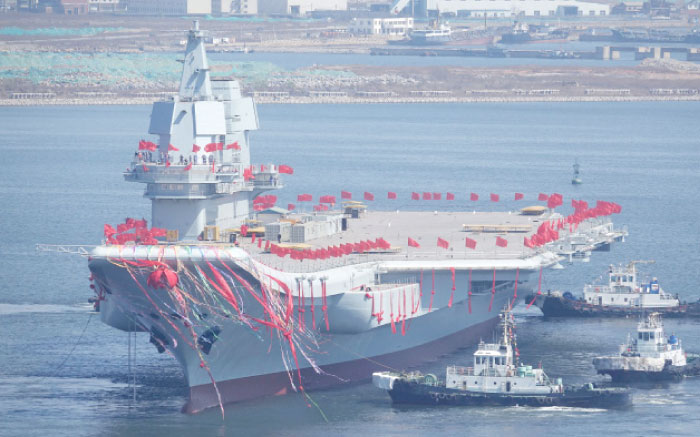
[(624, 294), (497, 378), (649, 357)]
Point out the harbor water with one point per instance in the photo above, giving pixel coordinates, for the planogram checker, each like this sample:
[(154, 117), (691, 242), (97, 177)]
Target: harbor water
[(64, 373)]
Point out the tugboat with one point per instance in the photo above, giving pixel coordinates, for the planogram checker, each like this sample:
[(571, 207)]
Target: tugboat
[(649, 357), (496, 379), (623, 295), (576, 179)]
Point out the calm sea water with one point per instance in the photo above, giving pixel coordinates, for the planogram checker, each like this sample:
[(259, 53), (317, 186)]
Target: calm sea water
[(62, 372)]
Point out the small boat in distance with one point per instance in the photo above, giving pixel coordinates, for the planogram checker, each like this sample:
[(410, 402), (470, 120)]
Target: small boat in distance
[(496, 379), (649, 356), (576, 180), (624, 295)]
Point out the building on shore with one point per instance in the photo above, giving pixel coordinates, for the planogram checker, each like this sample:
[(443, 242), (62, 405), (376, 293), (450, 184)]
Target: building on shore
[(74, 7), (505, 8), (105, 6), (299, 8), (395, 26), (170, 7)]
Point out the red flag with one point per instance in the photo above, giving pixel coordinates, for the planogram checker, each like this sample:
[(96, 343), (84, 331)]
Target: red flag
[(437, 196), (195, 148), (369, 196), (172, 148), (219, 146), (248, 174), (345, 195), (144, 167), (167, 164), (412, 242), (244, 230), (233, 145), (443, 243), (188, 167), (471, 243), (391, 195), (327, 199), (213, 167), (427, 196), (415, 196), (450, 196), (494, 197), (109, 231), (502, 242), (542, 197), (304, 198), (291, 207), (285, 169), (519, 196), (473, 197)]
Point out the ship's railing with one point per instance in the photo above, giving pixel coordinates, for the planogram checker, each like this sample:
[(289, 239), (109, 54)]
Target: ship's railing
[(74, 249), (460, 370)]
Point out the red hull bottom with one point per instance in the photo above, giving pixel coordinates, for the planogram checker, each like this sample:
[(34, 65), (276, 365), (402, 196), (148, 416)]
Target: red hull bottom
[(236, 390)]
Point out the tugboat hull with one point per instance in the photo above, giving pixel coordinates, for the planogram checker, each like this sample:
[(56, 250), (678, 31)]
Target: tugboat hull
[(668, 373), (407, 392), (559, 306)]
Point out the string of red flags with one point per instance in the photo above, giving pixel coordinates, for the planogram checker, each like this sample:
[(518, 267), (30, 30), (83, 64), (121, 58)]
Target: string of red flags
[(454, 287), (493, 290), (515, 289), (539, 290), (133, 230), (329, 251), (285, 169)]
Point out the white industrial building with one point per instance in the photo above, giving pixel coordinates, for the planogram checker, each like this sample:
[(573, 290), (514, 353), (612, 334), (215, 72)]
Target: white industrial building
[(511, 8), (299, 7), (381, 26), (169, 7)]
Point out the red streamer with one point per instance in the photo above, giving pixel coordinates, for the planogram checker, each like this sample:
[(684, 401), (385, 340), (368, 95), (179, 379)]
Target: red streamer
[(539, 290)]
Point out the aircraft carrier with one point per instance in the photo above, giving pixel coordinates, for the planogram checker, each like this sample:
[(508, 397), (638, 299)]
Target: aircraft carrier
[(252, 307)]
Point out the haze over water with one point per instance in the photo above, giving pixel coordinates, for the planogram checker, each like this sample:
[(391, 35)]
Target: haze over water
[(63, 372)]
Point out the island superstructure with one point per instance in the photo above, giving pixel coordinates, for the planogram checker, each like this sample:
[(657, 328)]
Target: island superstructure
[(310, 300)]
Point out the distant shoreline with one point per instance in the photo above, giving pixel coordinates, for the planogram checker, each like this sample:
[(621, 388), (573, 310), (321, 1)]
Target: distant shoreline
[(360, 100)]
